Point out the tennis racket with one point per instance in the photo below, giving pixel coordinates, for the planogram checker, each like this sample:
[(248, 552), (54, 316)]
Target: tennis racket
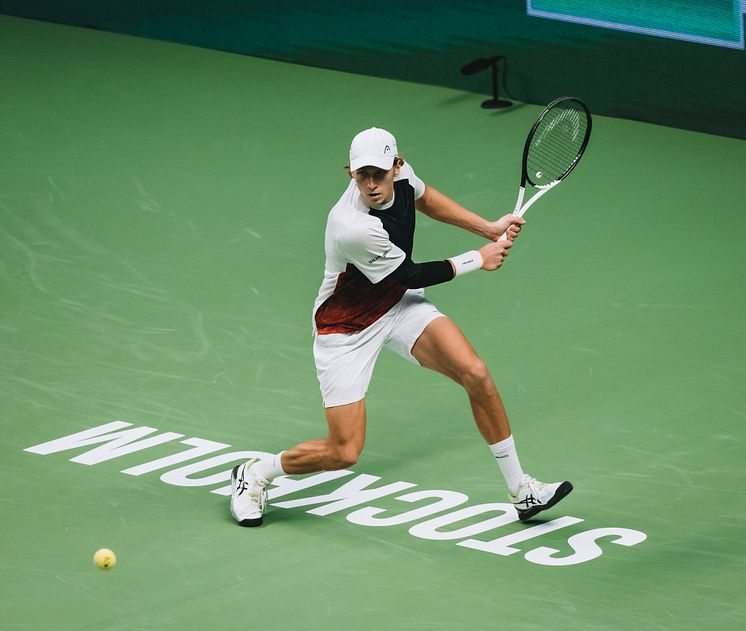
[(553, 147)]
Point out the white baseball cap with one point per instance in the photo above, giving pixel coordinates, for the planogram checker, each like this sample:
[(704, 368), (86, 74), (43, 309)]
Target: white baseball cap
[(373, 147)]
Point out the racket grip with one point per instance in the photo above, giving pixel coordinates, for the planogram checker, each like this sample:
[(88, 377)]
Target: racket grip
[(517, 211)]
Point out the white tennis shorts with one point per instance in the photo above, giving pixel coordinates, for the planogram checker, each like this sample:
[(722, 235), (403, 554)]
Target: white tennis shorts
[(345, 361)]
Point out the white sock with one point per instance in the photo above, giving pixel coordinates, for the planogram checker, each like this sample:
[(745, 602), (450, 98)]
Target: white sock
[(507, 460), (269, 469)]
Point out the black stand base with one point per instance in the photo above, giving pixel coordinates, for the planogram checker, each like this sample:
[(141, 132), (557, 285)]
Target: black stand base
[(496, 104)]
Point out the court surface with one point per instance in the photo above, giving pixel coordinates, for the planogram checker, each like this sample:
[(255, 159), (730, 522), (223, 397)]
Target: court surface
[(162, 212)]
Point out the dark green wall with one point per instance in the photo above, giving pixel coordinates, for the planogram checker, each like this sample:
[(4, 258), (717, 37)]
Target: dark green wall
[(670, 82)]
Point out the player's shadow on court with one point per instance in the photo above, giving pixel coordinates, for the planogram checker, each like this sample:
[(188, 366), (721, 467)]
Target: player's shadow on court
[(272, 516)]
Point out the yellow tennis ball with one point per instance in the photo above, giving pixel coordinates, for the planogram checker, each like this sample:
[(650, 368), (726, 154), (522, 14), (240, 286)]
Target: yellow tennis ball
[(104, 559)]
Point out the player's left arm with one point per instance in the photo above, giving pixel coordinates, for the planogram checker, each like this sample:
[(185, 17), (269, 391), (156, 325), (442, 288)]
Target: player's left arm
[(440, 207)]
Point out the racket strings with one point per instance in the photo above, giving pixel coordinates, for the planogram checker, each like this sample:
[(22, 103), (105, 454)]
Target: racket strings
[(556, 144)]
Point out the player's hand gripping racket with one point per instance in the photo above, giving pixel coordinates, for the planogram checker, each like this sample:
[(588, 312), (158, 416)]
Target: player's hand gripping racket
[(554, 146)]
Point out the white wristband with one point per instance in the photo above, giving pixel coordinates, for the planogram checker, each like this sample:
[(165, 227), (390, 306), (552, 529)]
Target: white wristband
[(466, 262)]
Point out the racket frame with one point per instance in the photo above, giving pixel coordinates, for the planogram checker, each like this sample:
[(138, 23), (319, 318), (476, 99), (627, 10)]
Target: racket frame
[(520, 209)]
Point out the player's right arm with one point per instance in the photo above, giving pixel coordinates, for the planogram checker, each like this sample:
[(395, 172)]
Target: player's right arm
[(442, 208)]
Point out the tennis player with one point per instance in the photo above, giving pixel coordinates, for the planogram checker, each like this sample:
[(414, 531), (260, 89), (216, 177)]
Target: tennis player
[(372, 298)]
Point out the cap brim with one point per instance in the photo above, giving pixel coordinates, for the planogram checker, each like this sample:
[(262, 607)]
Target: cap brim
[(380, 162)]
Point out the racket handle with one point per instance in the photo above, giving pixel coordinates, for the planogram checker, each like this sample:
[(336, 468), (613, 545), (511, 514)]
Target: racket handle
[(517, 211), (520, 211)]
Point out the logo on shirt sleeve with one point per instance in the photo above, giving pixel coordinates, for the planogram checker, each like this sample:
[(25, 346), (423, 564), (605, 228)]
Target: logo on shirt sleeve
[(385, 252)]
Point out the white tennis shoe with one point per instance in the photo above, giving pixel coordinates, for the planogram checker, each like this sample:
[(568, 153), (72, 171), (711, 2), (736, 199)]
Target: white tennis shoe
[(534, 496), (248, 495)]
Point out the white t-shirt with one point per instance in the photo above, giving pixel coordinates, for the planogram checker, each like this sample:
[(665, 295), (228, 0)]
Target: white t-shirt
[(364, 245)]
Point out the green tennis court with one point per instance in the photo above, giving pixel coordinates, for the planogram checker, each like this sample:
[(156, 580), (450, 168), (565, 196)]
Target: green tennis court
[(162, 213)]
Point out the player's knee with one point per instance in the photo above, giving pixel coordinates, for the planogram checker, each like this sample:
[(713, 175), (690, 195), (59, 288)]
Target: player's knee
[(345, 457), (344, 462), (476, 377)]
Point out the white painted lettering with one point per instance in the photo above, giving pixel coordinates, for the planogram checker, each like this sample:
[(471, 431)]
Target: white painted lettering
[(348, 495), (429, 529), (116, 444), (114, 440), (201, 447), (585, 547), (180, 476), (285, 485), (449, 499), (502, 545), (80, 439)]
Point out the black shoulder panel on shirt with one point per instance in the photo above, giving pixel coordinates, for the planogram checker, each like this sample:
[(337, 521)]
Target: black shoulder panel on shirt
[(399, 220)]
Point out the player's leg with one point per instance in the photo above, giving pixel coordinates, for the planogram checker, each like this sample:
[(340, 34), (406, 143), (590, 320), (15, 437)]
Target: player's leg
[(340, 449), (444, 348), (344, 365)]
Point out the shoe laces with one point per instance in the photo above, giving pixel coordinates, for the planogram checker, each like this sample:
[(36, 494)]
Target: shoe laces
[(529, 490), (532, 483), (248, 483)]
